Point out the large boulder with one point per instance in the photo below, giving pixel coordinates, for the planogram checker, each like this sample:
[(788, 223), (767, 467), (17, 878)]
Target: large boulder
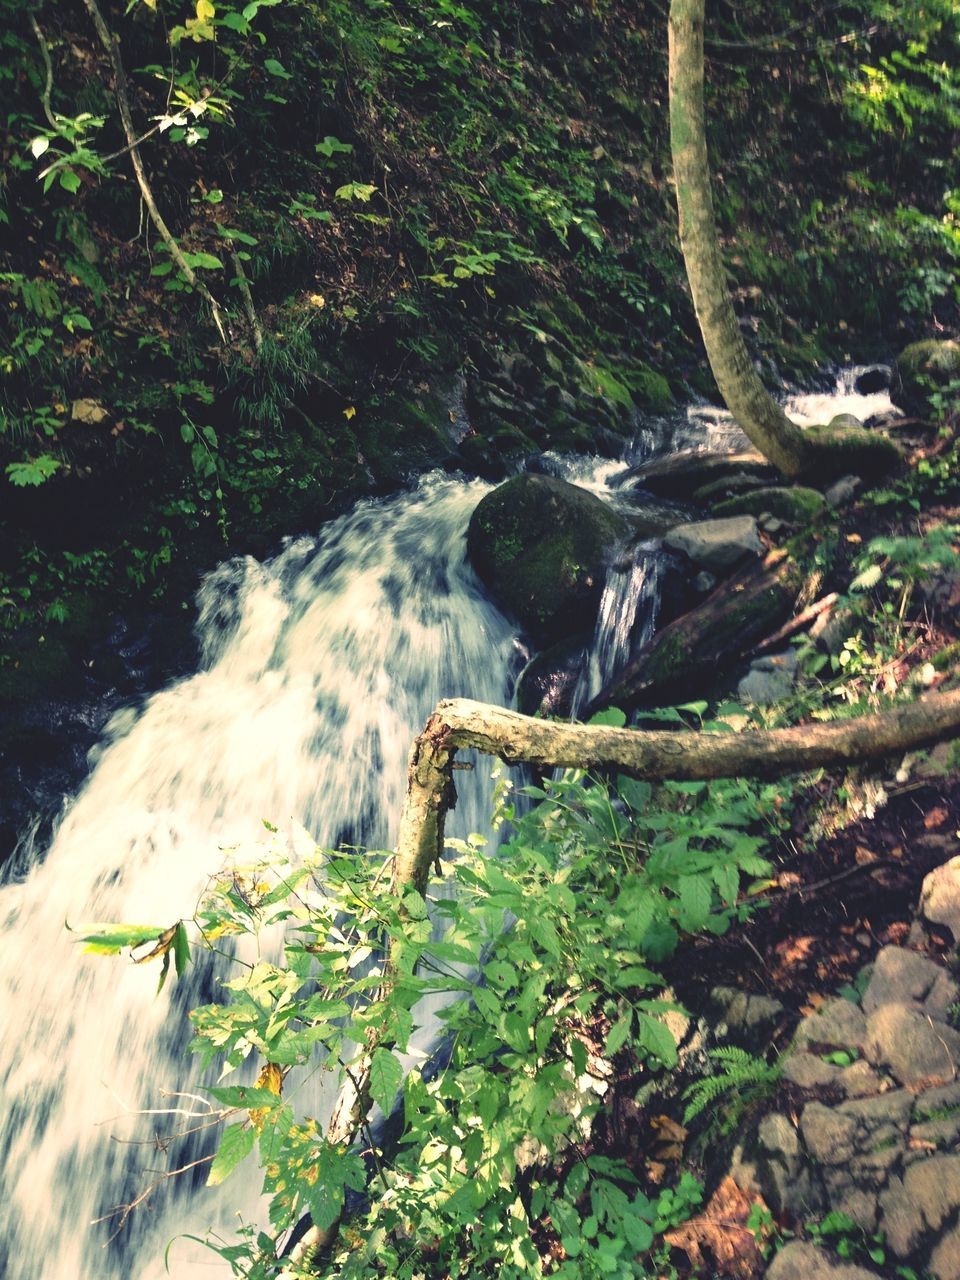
[(922, 369), (542, 547), (797, 505)]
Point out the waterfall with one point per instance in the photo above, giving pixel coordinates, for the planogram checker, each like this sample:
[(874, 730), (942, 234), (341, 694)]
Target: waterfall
[(319, 668), (625, 622)]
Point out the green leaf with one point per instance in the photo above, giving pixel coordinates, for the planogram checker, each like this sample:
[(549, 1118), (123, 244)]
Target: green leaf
[(331, 146), (695, 901), (276, 68), (386, 1076), (612, 716), (355, 191), (244, 1095), (654, 1036), (181, 949), (237, 1143), (618, 1034), (232, 233), (110, 939), (69, 180), (33, 472), (206, 261)]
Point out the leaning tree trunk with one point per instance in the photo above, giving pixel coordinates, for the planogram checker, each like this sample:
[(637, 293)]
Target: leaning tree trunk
[(755, 410)]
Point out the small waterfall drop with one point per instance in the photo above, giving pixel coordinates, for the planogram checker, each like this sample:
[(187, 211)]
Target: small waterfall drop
[(319, 668)]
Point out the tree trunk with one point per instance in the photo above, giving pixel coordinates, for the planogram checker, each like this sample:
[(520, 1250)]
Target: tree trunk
[(754, 409)]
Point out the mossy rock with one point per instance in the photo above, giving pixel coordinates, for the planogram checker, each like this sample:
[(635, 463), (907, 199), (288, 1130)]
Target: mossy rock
[(921, 370), (841, 450), (794, 505), (542, 547), (683, 475)]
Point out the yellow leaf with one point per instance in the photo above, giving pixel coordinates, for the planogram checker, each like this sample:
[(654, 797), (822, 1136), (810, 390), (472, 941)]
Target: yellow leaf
[(316, 300), (350, 413), (205, 10)]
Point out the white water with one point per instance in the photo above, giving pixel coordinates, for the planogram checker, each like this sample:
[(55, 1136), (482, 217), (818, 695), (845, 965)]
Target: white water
[(320, 667)]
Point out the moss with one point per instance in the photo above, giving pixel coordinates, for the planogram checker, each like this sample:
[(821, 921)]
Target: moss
[(797, 505), (542, 546), (840, 451), (921, 370)]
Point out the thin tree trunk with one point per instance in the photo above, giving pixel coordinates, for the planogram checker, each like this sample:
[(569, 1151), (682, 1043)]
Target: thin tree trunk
[(754, 409), (110, 44)]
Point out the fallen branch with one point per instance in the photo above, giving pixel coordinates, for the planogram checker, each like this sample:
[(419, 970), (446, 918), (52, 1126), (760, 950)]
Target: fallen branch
[(656, 755), (110, 44), (798, 622)]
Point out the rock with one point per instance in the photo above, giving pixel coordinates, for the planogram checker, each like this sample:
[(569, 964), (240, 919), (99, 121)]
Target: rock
[(845, 422), (859, 1080), (842, 491), (750, 1019), (716, 544), (89, 412), (770, 678), (548, 682), (830, 1137), (940, 591), (704, 583), (898, 977), (933, 1186), (794, 505), (872, 380), (831, 628), (837, 1024), (940, 898), (808, 1071), (911, 1046), (681, 474), (542, 546), (922, 369), (944, 1263), (802, 1261)]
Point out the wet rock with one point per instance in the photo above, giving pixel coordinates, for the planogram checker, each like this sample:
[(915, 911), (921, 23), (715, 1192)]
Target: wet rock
[(549, 681), (682, 474), (922, 369), (940, 898), (898, 977), (797, 505), (914, 1048), (770, 678), (716, 545), (542, 546), (837, 1024), (802, 1261), (872, 380)]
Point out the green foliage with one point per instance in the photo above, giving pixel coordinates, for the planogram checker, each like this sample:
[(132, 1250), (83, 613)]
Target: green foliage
[(740, 1074), (528, 948)]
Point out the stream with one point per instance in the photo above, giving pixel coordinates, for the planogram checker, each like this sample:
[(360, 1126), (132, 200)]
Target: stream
[(318, 669)]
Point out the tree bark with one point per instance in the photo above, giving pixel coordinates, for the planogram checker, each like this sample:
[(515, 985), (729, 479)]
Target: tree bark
[(754, 409)]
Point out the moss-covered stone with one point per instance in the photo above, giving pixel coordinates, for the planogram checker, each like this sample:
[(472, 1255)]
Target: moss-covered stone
[(797, 505), (922, 369), (542, 547), (845, 450)]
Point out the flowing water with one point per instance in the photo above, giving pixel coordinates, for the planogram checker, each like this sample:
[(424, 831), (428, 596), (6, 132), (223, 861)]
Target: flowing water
[(319, 668)]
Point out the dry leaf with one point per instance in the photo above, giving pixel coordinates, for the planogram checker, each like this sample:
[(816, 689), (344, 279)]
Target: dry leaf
[(717, 1242)]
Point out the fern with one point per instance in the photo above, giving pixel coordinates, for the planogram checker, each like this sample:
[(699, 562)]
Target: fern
[(739, 1070)]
